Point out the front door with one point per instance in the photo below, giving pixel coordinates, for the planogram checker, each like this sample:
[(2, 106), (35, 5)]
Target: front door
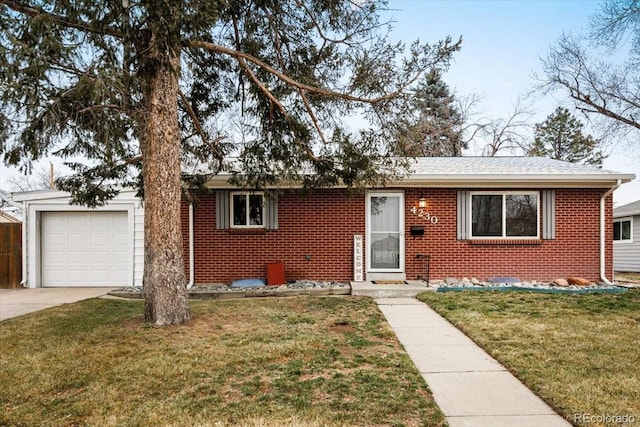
[(385, 232)]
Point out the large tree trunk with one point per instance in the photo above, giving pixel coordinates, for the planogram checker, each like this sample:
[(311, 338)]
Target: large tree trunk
[(164, 282)]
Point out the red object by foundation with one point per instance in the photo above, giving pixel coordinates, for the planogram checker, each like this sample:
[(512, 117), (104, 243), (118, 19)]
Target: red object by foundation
[(275, 273)]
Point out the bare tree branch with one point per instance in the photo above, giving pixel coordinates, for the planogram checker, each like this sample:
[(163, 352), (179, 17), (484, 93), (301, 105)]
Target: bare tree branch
[(509, 133)]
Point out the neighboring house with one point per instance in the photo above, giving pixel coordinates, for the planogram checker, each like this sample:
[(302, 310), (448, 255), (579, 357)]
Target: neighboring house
[(7, 217), (531, 218), (626, 237)]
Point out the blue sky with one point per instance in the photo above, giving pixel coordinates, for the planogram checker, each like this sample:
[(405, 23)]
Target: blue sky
[(502, 40), (503, 43)]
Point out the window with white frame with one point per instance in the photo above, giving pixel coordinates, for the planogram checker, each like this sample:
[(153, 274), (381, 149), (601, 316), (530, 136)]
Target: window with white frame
[(247, 210), (512, 215), (622, 230)]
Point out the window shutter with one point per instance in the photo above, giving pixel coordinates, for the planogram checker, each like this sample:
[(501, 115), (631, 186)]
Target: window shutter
[(222, 209), (549, 214), (463, 213), (271, 210)]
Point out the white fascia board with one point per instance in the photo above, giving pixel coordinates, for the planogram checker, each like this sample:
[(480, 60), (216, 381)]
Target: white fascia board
[(38, 195), (221, 182), (519, 180), (477, 181), (28, 196), (625, 214)]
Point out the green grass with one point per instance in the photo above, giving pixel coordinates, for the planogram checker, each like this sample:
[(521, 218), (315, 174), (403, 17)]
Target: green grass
[(627, 276), (264, 362), (578, 352)]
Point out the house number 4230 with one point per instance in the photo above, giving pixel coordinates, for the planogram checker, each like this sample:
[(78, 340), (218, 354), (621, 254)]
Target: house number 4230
[(426, 215)]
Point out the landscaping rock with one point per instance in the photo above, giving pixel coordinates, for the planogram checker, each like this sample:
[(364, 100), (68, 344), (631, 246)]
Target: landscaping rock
[(475, 281), (561, 282), (558, 285), (578, 281), (220, 291)]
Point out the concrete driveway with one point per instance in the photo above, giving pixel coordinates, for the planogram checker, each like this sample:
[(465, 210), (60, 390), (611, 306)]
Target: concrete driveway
[(16, 302)]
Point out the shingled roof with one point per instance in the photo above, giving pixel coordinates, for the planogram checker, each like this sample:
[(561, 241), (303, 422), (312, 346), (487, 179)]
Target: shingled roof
[(514, 171), (493, 172), (629, 209)]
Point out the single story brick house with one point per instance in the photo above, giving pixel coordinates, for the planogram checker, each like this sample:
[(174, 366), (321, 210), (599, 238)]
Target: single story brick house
[(531, 218), (626, 237)]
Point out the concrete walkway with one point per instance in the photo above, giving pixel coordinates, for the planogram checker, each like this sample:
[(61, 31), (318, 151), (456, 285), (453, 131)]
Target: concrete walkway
[(471, 388), (370, 289), (16, 302)]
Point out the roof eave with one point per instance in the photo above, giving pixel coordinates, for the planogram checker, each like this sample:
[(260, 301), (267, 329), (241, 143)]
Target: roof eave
[(28, 196), (519, 180), (479, 181), (625, 214)]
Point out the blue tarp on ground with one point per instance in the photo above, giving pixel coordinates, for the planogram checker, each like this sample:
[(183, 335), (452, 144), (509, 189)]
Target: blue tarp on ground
[(248, 283)]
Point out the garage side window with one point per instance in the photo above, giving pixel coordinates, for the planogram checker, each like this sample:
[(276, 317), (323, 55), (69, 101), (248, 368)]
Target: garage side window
[(247, 210), (622, 230)]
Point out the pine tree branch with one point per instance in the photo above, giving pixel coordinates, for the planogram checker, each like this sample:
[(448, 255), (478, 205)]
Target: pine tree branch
[(244, 57), (101, 107), (312, 115), (200, 130), (359, 28), (35, 12), (275, 101)]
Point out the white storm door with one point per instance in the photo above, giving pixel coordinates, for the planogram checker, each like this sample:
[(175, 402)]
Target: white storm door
[(385, 232)]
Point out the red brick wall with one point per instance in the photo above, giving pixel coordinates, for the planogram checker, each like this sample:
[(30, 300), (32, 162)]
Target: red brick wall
[(323, 226), (574, 252)]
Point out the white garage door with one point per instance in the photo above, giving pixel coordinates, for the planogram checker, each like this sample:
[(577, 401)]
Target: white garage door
[(85, 249)]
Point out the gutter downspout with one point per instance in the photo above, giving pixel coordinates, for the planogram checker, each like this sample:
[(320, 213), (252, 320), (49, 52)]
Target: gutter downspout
[(603, 275), (191, 249)]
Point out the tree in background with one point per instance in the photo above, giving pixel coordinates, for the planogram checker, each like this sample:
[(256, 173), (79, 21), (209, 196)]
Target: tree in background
[(598, 87), (143, 90), (433, 124), (38, 178), (506, 134), (560, 137)]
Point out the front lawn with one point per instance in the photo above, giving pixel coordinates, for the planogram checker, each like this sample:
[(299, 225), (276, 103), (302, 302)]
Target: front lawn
[(578, 352), (265, 362)]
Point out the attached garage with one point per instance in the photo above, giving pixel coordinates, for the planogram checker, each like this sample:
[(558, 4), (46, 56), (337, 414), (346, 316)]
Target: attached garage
[(85, 249), (74, 246)]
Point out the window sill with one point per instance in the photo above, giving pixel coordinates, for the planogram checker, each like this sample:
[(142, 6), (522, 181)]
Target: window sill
[(514, 242), (249, 231)]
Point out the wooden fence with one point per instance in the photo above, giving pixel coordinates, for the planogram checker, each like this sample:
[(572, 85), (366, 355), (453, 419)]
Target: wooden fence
[(10, 255)]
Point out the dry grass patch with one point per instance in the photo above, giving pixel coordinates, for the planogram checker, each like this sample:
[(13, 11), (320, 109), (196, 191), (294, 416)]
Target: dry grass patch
[(264, 362), (627, 276), (578, 352)]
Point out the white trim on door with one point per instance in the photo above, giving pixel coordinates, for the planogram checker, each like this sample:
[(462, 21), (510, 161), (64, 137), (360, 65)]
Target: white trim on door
[(400, 232)]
